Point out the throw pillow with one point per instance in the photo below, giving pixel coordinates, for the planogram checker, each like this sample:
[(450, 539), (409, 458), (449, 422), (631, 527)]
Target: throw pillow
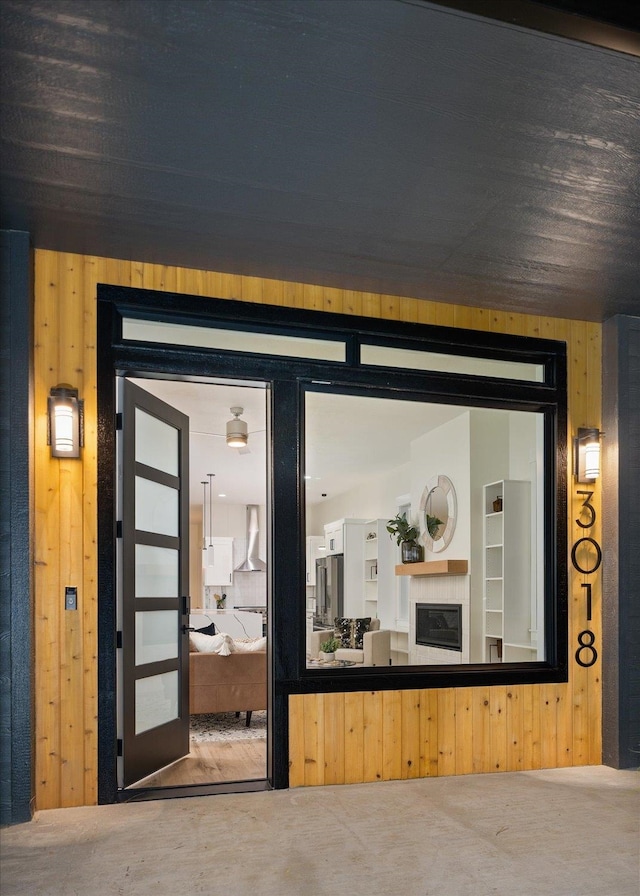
[(249, 645), (221, 644), (350, 632)]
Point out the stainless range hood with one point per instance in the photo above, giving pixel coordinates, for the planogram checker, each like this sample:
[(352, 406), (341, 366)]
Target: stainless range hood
[(251, 562)]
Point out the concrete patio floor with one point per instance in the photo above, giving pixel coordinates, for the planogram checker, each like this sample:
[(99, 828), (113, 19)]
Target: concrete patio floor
[(562, 832)]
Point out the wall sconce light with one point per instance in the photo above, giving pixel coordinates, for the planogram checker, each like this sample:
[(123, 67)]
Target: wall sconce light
[(237, 436), (65, 429), (586, 455)]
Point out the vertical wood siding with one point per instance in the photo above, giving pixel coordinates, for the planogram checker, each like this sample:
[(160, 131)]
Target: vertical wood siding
[(333, 738)]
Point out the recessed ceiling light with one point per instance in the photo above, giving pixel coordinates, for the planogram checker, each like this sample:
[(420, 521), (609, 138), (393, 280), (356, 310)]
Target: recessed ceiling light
[(222, 495), (307, 477)]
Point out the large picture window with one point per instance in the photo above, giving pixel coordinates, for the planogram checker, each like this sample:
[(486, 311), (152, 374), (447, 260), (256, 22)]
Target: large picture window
[(474, 477)]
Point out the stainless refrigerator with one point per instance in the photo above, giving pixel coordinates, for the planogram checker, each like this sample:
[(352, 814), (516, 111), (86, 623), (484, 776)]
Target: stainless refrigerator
[(329, 590)]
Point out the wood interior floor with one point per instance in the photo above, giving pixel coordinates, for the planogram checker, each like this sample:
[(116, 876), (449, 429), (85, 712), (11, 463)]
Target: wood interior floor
[(214, 763)]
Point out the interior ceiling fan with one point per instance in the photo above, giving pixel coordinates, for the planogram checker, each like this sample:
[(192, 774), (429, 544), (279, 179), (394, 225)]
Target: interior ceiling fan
[(237, 432)]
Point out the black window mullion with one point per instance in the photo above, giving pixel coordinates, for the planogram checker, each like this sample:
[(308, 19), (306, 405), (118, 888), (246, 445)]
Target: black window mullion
[(286, 620)]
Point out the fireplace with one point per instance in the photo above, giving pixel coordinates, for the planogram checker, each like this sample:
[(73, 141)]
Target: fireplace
[(439, 625)]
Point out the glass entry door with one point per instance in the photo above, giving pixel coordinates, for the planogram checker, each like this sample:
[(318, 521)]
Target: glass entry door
[(153, 605)]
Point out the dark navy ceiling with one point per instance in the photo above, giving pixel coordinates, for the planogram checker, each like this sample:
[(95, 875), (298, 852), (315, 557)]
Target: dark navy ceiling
[(394, 146)]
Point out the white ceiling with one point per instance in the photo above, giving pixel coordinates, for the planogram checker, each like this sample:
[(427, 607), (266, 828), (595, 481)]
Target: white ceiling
[(349, 439)]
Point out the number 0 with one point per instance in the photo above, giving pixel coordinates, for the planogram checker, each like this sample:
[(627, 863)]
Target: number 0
[(574, 551)]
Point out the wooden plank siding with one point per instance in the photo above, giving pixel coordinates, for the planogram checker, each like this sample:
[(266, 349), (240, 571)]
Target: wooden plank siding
[(333, 738)]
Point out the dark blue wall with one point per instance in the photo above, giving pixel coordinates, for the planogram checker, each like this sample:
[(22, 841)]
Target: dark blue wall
[(621, 541), (16, 552)]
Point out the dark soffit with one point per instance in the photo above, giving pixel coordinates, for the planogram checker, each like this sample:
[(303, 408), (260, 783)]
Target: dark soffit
[(399, 147)]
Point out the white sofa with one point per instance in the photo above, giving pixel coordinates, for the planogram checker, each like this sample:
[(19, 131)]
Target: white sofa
[(376, 646)]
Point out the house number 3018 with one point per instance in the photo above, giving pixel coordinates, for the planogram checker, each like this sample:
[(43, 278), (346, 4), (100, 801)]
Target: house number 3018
[(586, 654)]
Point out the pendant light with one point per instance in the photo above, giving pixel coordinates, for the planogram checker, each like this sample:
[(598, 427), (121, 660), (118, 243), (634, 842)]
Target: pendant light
[(204, 513), (210, 547)]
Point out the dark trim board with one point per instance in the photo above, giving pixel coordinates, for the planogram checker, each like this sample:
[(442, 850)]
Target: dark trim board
[(287, 379), (106, 653)]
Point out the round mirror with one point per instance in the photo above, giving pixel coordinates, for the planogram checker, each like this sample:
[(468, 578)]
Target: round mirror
[(438, 513)]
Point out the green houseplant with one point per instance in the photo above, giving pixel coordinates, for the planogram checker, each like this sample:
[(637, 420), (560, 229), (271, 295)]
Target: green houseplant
[(328, 648), (405, 535)]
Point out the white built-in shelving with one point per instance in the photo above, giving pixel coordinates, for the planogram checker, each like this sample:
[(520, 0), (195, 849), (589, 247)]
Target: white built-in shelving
[(379, 579), (507, 572)]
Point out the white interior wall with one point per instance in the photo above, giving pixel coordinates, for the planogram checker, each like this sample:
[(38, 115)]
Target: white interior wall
[(375, 500), (445, 451)]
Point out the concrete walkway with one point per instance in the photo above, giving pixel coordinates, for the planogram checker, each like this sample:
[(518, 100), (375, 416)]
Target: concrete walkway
[(562, 832)]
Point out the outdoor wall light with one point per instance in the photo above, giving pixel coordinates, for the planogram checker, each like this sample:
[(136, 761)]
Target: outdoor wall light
[(65, 429), (586, 455), (237, 436)]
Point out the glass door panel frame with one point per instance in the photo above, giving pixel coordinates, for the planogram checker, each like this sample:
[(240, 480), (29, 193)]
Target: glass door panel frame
[(157, 743)]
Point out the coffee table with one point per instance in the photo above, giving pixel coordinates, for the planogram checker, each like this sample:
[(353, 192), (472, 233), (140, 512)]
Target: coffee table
[(334, 664)]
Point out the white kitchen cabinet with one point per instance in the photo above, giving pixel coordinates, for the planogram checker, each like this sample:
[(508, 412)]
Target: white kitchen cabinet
[(217, 562), (334, 537), (314, 550), (507, 572)]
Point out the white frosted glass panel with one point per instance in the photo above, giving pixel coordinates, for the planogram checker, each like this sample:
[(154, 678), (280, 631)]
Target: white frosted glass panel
[(156, 507), (156, 636), (156, 571), (384, 356), (233, 340), (156, 443), (156, 700)]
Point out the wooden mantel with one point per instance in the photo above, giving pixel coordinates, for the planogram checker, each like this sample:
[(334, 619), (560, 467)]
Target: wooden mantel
[(434, 568)]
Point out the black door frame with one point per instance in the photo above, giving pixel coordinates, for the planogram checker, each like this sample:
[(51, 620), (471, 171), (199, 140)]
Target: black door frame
[(287, 377)]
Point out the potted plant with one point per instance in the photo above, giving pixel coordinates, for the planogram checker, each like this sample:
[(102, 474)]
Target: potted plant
[(328, 649), (406, 535)]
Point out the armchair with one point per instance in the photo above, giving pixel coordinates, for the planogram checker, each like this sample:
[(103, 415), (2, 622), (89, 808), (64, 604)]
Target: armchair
[(376, 646)]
